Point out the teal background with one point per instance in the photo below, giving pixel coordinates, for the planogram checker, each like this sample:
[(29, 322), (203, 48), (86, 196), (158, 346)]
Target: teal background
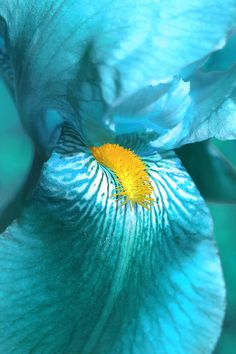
[(16, 150), (225, 232), (16, 153)]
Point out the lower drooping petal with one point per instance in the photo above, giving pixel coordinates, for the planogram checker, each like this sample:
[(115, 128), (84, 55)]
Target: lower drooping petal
[(80, 274)]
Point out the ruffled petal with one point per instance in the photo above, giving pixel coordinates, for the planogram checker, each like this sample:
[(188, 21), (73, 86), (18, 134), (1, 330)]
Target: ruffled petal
[(204, 162), (156, 108), (212, 112), (81, 274), (213, 94), (128, 44), (214, 107)]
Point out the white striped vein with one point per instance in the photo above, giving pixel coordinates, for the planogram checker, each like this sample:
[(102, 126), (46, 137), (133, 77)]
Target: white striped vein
[(80, 274)]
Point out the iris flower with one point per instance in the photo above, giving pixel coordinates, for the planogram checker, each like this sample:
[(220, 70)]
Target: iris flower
[(113, 251)]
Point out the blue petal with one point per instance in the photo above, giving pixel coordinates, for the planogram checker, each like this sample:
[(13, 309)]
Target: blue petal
[(222, 59), (6, 70), (211, 112), (128, 44), (156, 107), (213, 94), (80, 274)]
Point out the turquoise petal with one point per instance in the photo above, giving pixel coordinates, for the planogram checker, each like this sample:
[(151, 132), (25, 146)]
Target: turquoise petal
[(223, 59), (124, 44), (204, 162), (213, 96), (212, 112), (158, 108), (81, 274), (220, 60), (6, 69)]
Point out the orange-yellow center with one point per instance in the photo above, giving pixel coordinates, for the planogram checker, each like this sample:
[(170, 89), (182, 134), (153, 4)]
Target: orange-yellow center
[(134, 185)]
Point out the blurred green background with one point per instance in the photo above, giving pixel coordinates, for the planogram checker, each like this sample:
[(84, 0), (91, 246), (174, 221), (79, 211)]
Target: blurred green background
[(16, 153)]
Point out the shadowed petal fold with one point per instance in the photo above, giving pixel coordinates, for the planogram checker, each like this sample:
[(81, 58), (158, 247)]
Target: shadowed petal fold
[(81, 274), (222, 59), (204, 162), (16, 152)]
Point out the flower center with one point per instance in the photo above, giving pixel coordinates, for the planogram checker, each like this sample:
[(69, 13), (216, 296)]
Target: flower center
[(134, 185)]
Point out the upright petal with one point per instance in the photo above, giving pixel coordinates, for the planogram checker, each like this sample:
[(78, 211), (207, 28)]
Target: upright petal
[(81, 274), (156, 108), (213, 94), (212, 112), (222, 59), (127, 43)]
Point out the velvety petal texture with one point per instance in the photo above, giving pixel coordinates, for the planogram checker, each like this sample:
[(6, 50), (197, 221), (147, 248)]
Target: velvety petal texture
[(212, 93), (222, 59), (213, 109), (108, 50), (81, 274), (210, 110), (6, 70)]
